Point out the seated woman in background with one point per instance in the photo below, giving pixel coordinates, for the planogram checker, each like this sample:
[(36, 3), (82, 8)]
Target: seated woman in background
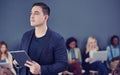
[(113, 52), (5, 71), (74, 56), (88, 62), (5, 55)]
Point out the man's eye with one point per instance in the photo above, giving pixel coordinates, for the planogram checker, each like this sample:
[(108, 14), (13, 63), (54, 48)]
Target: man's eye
[(36, 13)]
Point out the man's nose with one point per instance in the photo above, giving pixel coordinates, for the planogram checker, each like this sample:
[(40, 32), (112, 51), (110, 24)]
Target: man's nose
[(32, 16)]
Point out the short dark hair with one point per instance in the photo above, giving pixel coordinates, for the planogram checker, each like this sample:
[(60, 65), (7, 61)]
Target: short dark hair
[(69, 40), (45, 7), (112, 38)]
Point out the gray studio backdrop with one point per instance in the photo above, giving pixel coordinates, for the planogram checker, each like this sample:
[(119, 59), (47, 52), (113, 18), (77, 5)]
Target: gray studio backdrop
[(78, 18)]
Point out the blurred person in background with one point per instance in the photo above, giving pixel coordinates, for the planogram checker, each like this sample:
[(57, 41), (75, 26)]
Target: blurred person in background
[(5, 55), (88, 62), (113, 52), (74, 57)]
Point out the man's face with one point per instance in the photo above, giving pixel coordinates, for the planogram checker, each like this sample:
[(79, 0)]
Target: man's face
[(37, 17), (115, 41)]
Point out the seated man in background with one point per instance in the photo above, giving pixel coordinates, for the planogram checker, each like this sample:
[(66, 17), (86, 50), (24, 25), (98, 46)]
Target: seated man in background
[(113, 52)]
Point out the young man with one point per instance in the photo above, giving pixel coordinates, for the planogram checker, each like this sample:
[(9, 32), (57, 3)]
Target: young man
[(114, 48), (113, 52), (45, 47)]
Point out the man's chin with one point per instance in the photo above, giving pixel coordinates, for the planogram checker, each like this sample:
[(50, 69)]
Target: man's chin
[(33, 25)]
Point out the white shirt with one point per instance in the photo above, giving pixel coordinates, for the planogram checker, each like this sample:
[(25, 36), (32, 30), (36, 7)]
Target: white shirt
[(91, 56)]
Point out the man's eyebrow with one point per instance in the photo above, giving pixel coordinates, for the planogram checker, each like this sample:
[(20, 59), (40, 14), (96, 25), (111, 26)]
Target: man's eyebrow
[(36, 11)]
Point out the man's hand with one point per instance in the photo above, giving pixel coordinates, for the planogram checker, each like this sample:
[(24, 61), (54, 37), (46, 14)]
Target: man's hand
[(34, 67), (15, 62)]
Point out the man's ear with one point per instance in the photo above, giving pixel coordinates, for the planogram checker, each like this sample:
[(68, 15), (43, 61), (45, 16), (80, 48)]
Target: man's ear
[(46, 17)]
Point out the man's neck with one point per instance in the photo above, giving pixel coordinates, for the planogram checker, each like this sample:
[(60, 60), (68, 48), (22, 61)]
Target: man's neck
[(40, 31)]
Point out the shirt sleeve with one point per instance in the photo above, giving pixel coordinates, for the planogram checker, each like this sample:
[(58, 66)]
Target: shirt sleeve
[(109, 53), (60, 55)]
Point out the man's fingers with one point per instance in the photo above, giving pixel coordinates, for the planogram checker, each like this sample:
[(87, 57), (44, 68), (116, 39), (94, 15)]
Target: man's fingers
[(33, 66), (15, 62), (33, 62), (27, 65), (29, 62)]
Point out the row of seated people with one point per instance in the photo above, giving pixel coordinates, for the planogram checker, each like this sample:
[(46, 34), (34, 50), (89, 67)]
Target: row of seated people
[(77, 62)]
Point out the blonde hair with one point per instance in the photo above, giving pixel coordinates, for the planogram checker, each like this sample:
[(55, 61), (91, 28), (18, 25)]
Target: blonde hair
[(90, 39)]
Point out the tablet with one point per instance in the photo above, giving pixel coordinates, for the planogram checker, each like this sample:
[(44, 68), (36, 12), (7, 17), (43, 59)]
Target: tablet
[(4, 63), (20, 56), (100, 55)]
